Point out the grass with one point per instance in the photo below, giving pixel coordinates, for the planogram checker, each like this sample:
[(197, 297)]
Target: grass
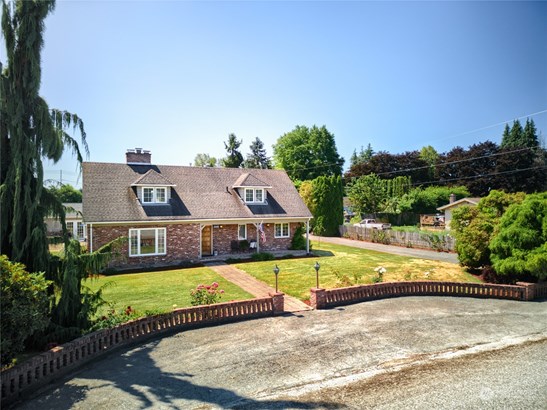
[(159, 291), (297, 275)]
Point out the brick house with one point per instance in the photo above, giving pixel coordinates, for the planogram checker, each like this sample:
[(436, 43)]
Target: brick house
[(175, 214)]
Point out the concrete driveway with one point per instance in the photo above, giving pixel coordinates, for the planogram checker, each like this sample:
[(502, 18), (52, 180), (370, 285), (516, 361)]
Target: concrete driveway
[(286, 362), (395, 250)]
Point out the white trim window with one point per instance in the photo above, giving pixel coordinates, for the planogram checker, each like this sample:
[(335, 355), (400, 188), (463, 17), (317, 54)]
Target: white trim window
[(242, 232), (282, 230), (80, 232), (154, 195), (147, 242), (254, 195)]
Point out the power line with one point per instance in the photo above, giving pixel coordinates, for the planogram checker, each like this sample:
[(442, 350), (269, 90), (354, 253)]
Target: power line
[(442, 164), (440, 139), (490, 126)]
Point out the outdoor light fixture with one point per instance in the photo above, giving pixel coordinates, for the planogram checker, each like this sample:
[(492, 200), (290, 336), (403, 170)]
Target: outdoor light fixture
[(316, 267), (276, 272)]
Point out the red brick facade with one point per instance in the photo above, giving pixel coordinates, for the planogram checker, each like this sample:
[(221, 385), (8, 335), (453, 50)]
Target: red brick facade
[(223, 236), (182, 244), (183, 241)]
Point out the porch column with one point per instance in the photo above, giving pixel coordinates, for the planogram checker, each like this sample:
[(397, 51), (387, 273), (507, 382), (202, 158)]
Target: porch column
[(90, 238), (308, 237), (201, 226), (257, 239)]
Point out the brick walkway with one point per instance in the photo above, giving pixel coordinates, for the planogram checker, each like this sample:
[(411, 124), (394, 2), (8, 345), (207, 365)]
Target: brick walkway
[(253, 286)]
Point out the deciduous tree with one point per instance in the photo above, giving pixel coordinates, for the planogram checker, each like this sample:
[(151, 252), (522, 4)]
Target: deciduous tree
[(306, 153), (66, 193), (205, 160)]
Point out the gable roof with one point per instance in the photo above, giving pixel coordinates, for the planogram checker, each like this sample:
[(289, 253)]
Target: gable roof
[(460, 202), (248, 180), (152, 177), (110, 194)]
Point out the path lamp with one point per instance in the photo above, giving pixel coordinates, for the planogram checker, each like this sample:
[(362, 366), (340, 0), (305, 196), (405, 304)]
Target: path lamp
[(316, 267), (276, 272)]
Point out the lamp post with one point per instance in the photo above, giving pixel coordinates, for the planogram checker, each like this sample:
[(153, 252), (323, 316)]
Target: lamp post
[(276, 272), (316, 267)]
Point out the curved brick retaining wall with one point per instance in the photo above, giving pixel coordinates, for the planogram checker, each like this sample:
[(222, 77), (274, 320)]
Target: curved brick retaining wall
[(41, 369), (321, 298)]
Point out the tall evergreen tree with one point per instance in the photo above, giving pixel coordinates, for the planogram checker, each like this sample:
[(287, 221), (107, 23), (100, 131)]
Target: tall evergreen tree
[(363, 156), (257, 158), (29, 132), (234, 158), (515, 138), (529, 135)]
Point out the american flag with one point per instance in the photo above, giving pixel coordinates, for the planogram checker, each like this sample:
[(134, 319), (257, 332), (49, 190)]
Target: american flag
[(262, 233)]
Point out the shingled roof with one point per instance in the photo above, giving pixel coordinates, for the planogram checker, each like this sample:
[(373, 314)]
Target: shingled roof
[(109, 193), (152, 177), (248, 180)]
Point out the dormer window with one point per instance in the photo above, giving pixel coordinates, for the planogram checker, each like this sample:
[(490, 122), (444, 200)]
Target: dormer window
[(254, 195), (154, 195)]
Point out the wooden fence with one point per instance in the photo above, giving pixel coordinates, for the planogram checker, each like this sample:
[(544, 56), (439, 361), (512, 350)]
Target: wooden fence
[(321, 298), (41, 369), (423, 240)]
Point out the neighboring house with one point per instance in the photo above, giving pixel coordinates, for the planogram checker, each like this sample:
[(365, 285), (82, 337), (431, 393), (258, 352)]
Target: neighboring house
[(173, 214), (74, 222), (453, 204)]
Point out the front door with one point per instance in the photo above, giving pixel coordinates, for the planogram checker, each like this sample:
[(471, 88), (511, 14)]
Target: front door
[(206, 241)]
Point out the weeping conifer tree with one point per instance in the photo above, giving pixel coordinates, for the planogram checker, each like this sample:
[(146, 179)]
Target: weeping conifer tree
[(29, 131)]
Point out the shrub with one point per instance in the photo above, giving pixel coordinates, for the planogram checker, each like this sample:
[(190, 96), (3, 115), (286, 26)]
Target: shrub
[(113, 318), (298, 241), (262, 256), (206, 294), (24, 306), (519, 244)]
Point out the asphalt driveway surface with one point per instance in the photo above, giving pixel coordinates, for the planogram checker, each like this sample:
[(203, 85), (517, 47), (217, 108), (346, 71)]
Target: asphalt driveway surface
[(322, 359)]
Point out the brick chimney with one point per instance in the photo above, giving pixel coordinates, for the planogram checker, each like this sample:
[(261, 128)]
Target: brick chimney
[(452, 198), (138, 156)]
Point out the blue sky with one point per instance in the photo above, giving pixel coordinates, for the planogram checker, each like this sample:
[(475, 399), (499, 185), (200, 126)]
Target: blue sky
[(177, 77)]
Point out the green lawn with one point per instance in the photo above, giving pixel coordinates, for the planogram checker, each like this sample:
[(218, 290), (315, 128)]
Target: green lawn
[(159, 291), (297, 276)]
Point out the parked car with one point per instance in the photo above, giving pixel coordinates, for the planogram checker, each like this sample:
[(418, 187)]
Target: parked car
[(372, 224)]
